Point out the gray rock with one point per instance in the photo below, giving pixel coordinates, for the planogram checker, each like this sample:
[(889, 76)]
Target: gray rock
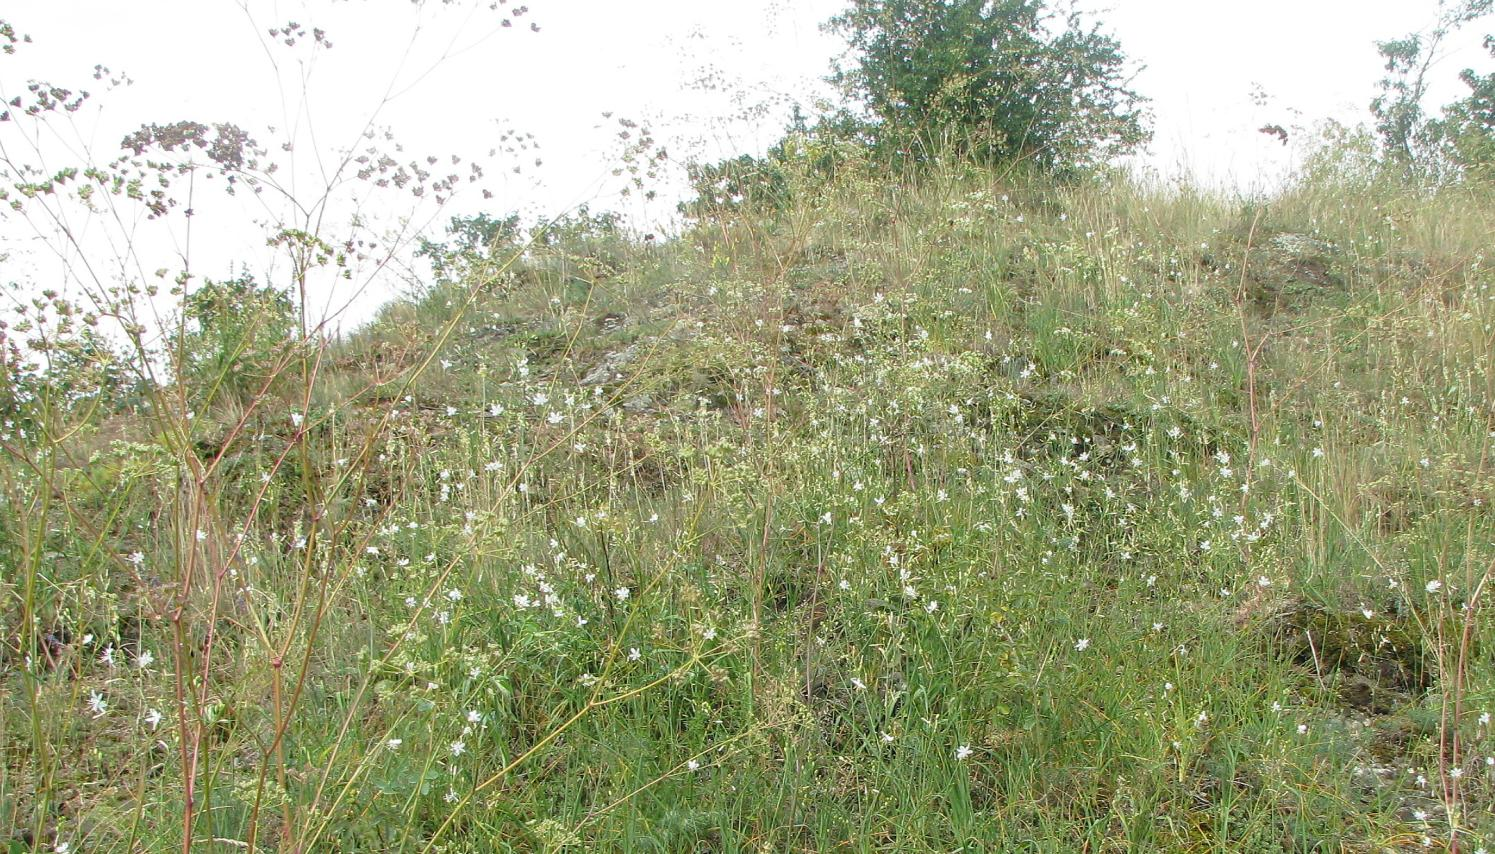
[(639, 403), (1301, 245), (611, 366)]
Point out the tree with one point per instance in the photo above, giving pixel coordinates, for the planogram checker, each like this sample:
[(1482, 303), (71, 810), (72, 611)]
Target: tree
[(1006, 80), (1468, 125), (1426, 148)]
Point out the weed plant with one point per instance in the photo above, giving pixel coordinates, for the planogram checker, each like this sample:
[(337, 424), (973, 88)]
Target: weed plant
[(960, 510)]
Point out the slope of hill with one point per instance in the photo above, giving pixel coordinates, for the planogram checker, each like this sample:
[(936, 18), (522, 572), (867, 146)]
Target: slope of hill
[(961, 512)]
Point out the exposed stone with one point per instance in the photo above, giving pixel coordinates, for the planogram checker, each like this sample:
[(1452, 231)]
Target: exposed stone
[(611, 366)]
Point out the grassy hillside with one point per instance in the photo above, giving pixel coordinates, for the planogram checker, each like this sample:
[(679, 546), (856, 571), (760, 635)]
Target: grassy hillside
[(957, 512)]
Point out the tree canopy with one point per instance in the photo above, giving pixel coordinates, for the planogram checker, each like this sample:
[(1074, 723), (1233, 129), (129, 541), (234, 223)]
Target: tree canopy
[(997, 79)]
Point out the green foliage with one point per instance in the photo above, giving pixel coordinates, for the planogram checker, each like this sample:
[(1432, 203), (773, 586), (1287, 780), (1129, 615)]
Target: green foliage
[(580, 228), (1435, 149), (742, 181), (235, 333), (475, 241), (1003, 80), (807, 160), (954, 509), (54, 362), (583, 244), (1468, 125), (1012, 82), (1398, 109), (978, 522)]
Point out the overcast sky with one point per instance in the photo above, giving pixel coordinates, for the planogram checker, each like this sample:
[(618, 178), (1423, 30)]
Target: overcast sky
[(712, 77)]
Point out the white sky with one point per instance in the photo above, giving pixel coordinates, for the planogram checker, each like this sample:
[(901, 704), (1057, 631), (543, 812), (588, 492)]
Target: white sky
[(712, 77)]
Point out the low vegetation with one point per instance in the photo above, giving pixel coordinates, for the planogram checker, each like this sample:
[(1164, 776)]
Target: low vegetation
[(934, 487), (960, 511)]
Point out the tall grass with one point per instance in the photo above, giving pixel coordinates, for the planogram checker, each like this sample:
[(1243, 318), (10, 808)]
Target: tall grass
[(954, 510)]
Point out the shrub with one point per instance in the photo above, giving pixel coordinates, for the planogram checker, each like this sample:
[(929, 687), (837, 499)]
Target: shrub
[(475, 241), (234, 335), (1001, 80)]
